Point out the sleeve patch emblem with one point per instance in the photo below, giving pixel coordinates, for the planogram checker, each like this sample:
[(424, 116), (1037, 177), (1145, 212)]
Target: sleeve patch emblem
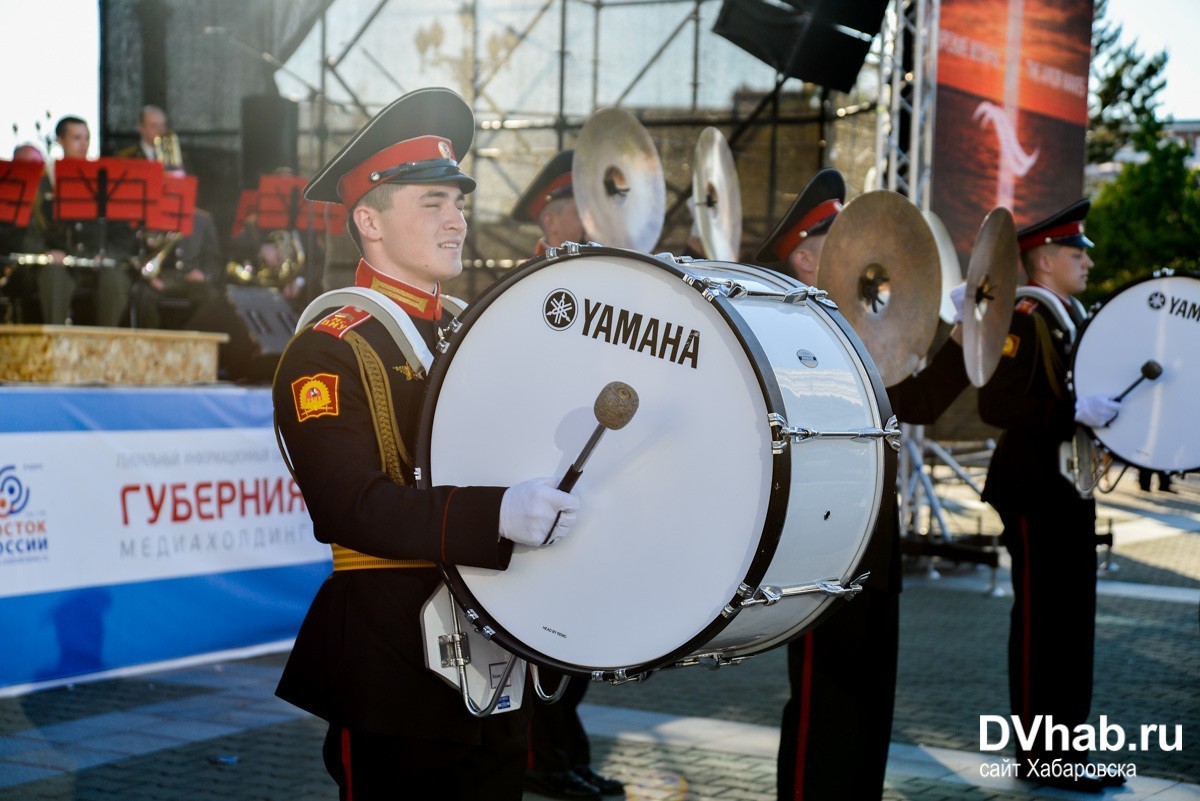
[(1026, 306), (315, 396), (1011, 343)]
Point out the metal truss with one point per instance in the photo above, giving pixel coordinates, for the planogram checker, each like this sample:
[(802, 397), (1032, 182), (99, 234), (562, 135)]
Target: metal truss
[(907, 95)]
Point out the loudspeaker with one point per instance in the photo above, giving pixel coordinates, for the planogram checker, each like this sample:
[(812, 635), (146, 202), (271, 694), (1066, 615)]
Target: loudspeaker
[(823, 42), (259, 322), (270, 126)]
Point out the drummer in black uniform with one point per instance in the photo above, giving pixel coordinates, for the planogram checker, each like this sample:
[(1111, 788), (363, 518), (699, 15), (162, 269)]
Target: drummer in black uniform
[(560, 758), (348, 406), (1049, 530), (837, 724)]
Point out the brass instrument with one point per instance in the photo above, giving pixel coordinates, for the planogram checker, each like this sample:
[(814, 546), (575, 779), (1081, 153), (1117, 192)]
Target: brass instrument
[(279, 260), (153, 266), (167, 152)]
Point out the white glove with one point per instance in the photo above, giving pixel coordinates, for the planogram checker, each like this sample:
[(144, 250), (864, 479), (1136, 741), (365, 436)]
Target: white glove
[(957, 295), (536, 513), (1096, 411)]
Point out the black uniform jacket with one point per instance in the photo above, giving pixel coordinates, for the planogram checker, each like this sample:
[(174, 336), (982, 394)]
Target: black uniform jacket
[(919, 399), (359, 658), (1028, 397)]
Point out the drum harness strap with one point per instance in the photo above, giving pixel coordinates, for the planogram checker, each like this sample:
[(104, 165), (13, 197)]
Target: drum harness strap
[(1051, 362), (393, 454)]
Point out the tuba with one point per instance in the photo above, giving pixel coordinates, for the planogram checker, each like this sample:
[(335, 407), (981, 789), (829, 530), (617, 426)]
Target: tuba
[(280, 258)]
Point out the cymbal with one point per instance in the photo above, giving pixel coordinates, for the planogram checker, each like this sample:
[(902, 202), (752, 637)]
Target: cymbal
[(619, 186), (951, 269), (880, 264), (718, 196), (991, 292)]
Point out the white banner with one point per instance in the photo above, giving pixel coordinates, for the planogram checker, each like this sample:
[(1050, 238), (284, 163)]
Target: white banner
[(88, 508)]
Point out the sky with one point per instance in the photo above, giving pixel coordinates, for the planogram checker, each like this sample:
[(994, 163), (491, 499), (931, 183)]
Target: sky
[(72, 89)]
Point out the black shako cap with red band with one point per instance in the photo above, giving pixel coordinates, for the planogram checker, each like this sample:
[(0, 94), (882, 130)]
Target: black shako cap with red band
[(1063, 228), (554, 181), (434, 114), (826, 187)]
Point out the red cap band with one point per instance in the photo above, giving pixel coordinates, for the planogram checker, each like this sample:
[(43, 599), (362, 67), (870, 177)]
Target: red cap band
[(1048, 236), (358, 181), (816, 215), (546, 195)]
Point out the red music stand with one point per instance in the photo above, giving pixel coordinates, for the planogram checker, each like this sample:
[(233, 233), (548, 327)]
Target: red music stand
[(281, 204), (335, 218), (18, 191), (106, 189), (247, 205), (176, 209)]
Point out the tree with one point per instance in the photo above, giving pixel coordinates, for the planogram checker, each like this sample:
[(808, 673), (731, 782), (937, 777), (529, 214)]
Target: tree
[(1148, 217), (1125, 87)]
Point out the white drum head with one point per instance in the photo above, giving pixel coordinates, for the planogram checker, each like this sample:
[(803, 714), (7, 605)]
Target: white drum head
[(673, 506), (1156, 319)]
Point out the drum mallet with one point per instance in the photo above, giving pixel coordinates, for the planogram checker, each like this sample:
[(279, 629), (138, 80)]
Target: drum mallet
[(614, 408), (1151, 369)]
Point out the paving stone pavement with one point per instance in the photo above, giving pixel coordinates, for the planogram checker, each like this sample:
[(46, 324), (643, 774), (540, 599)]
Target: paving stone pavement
[(216, 731)]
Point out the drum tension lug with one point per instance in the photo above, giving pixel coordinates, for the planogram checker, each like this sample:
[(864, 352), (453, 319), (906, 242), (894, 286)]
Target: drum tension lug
[(799, 434), (769, 595), (620, 676)]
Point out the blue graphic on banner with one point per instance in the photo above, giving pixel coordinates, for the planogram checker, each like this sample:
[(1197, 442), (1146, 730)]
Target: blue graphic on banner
[(76, 632)]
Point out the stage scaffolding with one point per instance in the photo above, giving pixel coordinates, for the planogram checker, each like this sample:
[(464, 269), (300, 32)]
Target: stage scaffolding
[(533, 71)]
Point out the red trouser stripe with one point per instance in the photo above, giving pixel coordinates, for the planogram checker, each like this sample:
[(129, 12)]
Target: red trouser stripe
[(1026, 628), (346, 764), (805, 709)]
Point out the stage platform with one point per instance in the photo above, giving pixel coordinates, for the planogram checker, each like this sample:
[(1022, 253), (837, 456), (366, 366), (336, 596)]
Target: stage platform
[(66, 354)]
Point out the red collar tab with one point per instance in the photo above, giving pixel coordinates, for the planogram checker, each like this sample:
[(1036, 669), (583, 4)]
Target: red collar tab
[(1048, 235), (554, 189), (797, 233), (415, 302), (369, 174)]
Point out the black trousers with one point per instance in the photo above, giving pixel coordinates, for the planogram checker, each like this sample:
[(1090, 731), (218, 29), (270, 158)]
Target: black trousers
[(1052, 634), (378, 767), (837, 725), (557, 740)]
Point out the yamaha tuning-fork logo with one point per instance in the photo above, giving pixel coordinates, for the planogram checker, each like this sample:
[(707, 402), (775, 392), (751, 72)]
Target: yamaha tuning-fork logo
[(1157, 300), (560, 309)]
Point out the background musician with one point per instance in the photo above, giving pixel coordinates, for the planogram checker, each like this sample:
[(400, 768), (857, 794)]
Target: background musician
[(559, 752), (348, 405), (17, 282), (190, 270), (845, 668), (1049, 530), (88, 239), (549, 201)]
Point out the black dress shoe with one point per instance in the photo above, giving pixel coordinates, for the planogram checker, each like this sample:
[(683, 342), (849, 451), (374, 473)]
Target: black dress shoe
[(561, 784), (605, 785)]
